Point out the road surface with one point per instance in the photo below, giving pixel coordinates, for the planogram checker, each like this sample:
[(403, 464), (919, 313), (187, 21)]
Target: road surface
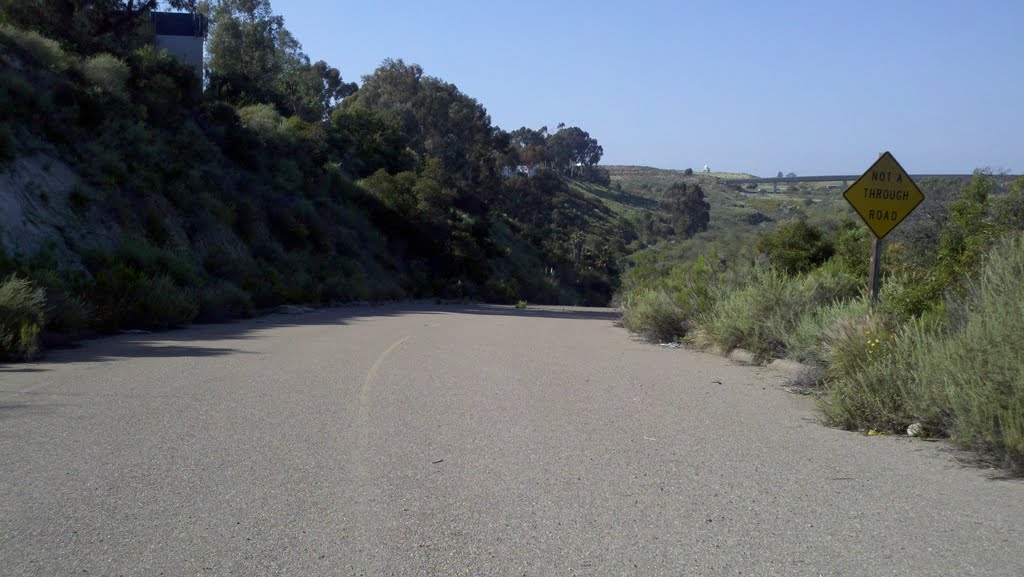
[(421, 440)]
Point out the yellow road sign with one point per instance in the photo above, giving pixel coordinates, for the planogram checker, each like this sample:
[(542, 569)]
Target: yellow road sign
[(884, 196)]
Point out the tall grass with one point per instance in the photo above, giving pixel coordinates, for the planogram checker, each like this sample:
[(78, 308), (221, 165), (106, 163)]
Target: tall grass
[(663, 305), (812, 340), (964, 377), (22, 314), (773, 312), (651, 314)]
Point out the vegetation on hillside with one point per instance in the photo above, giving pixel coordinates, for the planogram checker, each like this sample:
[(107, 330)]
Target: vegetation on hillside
[(940, 349), (276, 182)]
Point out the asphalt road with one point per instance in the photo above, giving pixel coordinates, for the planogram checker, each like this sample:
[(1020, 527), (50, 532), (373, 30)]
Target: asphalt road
[(426, 440)]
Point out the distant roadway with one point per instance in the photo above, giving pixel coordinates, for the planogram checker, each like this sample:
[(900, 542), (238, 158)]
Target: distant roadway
[(431, 440)]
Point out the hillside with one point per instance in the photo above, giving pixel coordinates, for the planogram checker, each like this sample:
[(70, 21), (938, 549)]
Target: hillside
[(133, 198), (651, 181), (737, 217)]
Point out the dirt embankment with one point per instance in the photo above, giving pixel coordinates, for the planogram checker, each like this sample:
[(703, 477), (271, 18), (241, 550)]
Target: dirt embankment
[(44, 206)]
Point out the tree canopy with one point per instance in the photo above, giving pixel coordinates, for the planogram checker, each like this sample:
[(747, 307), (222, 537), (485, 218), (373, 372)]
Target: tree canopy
[(570, 151), (689, 211), (253, 59)]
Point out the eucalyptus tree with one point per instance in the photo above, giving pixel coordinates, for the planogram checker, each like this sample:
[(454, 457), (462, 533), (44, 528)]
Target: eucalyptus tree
[(573, 150), (688, 210), (253, 58)]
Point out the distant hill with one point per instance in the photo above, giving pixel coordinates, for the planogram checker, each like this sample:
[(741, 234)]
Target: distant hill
[(646, 179), (738, 216)]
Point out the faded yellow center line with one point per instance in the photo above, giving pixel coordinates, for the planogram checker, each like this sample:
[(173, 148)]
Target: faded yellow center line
[(364, 393)]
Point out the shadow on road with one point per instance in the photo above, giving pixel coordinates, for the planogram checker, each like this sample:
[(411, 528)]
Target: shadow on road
[(160, 344), (19, 369)]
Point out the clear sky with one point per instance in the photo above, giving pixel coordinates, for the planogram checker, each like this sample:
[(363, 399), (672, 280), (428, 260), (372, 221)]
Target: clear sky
[(814, 87)]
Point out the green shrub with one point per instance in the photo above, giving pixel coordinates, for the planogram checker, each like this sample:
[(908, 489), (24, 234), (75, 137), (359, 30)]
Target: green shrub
[(163, 87), (41, 50), (968, 236), (810, 339), (108, 72), (70, 314), (795, 247), (978, 368), (346, 286), (266, 122), (908, 294), (851, 342), (963, 377), (22, 314), (831, 283), (852, 241), (762, 313), (691, 286), (163, 304), (229, 261), (501, 290), (224, 301), (653, 315), (127, 298), (154, 260), (751, 316), (66, 311), (1009, 208), (521, 304)]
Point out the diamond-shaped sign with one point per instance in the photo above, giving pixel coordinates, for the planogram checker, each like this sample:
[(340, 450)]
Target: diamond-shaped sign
[(884, 196)]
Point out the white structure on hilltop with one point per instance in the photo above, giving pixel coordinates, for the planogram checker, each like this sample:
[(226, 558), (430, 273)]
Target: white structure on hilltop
[(182, 35), (706, 169)]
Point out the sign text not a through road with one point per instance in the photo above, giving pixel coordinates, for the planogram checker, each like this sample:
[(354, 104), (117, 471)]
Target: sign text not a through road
[(884, 195)]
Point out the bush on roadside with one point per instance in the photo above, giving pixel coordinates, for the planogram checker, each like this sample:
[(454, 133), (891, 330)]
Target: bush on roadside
[(661, 305), (750, 316), (978, 368), (1009, 208), (224, 301), (964, 377), (762, 314), (653, 315), (811, 340), (22, 315), (66, 312), (853, 341), (127, 298), (692, 286)]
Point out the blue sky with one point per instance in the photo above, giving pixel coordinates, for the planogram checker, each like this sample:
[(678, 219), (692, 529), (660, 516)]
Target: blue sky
[(811, 87)]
